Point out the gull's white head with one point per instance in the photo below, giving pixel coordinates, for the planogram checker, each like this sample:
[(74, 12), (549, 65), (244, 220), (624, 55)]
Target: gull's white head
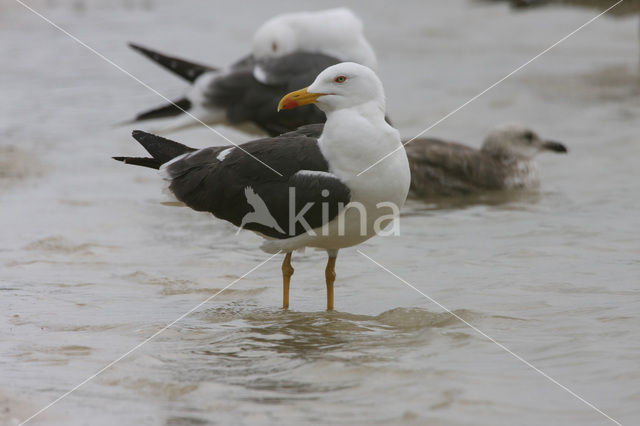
[(334, 32), (344, 85), (519, 141)]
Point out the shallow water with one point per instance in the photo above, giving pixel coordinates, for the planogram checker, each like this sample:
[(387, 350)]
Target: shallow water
[(92, 262)]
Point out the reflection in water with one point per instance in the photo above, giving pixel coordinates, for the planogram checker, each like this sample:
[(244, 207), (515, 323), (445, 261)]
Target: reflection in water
[(268, 345)]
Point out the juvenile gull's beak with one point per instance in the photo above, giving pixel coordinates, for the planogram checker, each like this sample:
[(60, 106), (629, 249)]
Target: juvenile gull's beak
[(554, 146), (298, 98)]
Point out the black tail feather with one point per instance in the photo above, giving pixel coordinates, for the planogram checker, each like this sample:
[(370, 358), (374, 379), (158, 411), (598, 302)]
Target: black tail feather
[(161, 149), (169, 110), (185, 69), (140, 161)]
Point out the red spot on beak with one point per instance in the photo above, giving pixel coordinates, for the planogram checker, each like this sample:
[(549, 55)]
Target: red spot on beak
[(289, 104)]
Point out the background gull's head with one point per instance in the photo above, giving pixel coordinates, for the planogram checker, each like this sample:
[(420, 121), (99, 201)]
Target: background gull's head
[(334, 32), (519, 141)]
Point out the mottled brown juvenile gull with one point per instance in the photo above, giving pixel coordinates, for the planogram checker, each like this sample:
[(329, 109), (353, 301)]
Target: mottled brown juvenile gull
[(505, 161), (289, 51)]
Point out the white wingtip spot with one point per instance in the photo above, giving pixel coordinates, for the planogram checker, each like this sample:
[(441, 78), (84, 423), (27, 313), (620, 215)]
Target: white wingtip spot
[(314, 173), (260, 75), (223, 154)]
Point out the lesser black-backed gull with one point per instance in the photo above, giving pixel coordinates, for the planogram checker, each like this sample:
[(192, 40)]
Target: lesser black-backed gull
[(318, 197), (289, 51), (505, 161)]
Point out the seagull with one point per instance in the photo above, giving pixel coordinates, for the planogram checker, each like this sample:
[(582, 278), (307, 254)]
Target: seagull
[(505, 161), (313, 187), (288, 52), (442, 168)]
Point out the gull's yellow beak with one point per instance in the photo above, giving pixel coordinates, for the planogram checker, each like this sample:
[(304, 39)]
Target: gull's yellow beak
[(298, 98)]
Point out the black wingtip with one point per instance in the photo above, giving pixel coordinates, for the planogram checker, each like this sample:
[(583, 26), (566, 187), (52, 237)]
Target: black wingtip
[(140, 161), (140, 48), (134, 46), (139, 135), (161, 149), (172, 109), (188, 70)]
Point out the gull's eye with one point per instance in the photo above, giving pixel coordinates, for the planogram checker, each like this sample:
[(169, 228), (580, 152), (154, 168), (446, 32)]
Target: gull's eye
[(340, 79), (274, 46), (528, 137)]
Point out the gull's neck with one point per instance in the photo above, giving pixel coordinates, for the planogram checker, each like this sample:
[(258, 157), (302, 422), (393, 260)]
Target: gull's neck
[(356, 137), (505, 155), (373, 111)]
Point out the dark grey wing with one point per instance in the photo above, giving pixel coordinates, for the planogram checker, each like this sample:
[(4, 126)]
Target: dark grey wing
[(235, 187), (315, 197), (247, 98), (310, 130), (448, 168), (286, 70), (247, 61)]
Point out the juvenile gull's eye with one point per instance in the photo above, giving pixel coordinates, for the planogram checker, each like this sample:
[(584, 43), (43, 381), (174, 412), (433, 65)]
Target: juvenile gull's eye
[(340, 79), (529, 137), (274, 46)]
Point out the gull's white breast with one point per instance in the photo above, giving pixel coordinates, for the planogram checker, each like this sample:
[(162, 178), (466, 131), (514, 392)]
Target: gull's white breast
[(358, 146)]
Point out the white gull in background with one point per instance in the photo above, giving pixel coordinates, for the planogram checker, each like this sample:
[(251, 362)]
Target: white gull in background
[(330, 195), (334, 32), (505, 161), (289, 51)]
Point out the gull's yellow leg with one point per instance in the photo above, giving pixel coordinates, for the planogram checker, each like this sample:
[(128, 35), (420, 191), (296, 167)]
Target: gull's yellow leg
[(287, 271), (330, 276)]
